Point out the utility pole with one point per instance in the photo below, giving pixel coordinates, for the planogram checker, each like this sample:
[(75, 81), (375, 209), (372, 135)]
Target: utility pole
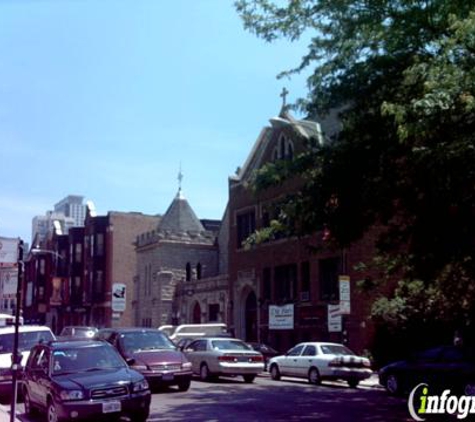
[(16, 356)]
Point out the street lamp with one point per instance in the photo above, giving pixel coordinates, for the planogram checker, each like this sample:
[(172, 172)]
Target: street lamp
[(16, 356)]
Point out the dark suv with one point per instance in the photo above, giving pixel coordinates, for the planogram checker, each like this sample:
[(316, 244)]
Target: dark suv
[(152, 353), (79, 380)]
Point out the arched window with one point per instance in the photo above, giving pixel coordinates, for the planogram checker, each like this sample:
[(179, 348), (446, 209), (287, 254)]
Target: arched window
[(188, 271), (282, 143), (289, 155), (198, 271)]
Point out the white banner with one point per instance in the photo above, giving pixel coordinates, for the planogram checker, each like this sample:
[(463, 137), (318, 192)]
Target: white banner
[(281, 317), (9, 280), (8, 251), (118, 297)]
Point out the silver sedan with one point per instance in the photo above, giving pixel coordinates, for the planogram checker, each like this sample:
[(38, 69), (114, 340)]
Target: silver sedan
[(215, 356), (318, 361)]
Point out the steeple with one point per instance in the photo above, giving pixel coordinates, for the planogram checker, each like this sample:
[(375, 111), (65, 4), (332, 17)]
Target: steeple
[(180, 217)]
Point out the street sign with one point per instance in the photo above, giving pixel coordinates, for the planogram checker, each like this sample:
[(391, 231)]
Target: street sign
[(118, 297), (344, 282), (8, 251), (334, 319)]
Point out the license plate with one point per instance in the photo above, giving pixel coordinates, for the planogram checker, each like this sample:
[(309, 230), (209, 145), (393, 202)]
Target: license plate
[(168, 377), (111, 406)]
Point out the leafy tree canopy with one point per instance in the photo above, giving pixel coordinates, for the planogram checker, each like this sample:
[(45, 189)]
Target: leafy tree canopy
[(402, 74)]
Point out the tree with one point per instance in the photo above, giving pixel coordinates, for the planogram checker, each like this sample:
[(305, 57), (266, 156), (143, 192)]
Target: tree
[(402, 74)]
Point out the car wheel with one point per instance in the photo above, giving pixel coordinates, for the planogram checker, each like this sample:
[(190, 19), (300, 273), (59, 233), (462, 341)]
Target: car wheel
[(274, 372), (314, 376), (27, 403), (184, 385), (140, 417), (353, 383), (469, 388), (392, 384), (249, 378), (204, 372), (52, 413)]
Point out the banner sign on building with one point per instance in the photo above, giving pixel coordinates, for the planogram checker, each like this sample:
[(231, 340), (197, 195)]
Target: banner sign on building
[(334, 319), (281, 317), (8, 251), (344, 282), (118, 297), (8, 281)]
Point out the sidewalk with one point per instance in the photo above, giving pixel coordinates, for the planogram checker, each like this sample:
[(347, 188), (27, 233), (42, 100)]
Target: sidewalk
[(5, 413)]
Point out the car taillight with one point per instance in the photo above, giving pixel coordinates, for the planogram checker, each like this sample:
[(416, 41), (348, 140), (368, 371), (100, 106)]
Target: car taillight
[(227, 358), (335, 362), (256, 359)]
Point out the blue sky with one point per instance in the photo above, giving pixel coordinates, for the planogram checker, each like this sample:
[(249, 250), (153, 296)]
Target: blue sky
[(105, 99)]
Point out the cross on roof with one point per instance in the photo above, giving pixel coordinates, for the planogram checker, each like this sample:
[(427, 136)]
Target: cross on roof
[(284, 94), (180, 178)]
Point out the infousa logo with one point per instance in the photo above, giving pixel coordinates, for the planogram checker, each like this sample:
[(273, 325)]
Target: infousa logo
[(421, 404)]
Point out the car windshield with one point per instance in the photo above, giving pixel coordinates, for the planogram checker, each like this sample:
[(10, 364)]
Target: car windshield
[(85, 332), (25, 340), (336, 349), (229, 345), (145, 340), (82, 359)]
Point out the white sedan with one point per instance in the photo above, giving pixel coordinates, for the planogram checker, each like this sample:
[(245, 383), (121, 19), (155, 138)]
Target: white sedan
[(317, 361)]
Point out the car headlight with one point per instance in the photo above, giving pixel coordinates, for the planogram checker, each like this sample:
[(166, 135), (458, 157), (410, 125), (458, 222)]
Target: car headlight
[(140, 386), (140, 368), (71, 395), (186, 365)]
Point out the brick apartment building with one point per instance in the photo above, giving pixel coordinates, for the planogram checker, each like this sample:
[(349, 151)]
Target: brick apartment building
[(70, 281)]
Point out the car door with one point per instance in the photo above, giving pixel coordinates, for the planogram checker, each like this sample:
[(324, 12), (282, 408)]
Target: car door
[(195, 354), (38, 376), (305, 360), (288, 365)]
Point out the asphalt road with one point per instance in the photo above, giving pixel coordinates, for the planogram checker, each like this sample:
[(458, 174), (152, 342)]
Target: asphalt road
[(266, 400)]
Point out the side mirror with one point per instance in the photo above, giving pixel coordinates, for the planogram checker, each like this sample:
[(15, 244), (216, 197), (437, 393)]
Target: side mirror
[(130, 361)]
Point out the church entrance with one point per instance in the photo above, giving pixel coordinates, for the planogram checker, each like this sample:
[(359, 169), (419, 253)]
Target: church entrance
[(197, 314), (251, 317)]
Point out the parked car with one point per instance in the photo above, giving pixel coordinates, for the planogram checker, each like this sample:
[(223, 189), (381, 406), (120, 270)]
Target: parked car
[(317, 361), (76, 380), (72, 332), (28, 336), (266, 351), (442, 367), (215, 356), (152, 353)]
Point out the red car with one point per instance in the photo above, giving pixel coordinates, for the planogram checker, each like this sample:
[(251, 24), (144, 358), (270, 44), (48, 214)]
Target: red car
[(153, 354)]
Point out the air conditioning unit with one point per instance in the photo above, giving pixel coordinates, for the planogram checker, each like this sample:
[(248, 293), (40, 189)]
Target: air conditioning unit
[(304, 296)]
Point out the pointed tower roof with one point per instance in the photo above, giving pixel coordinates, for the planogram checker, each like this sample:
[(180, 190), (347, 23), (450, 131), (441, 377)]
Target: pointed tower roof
[(180, 217)]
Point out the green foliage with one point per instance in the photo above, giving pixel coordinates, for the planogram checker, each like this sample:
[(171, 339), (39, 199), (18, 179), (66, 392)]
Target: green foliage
[(402, 74)]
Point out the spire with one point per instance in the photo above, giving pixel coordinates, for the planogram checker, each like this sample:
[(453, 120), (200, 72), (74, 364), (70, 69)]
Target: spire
[(180, 178), (284, 94)]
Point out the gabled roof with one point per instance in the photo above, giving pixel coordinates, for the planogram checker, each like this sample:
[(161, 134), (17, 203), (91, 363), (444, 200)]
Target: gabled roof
[(180, 217), (304, 128)]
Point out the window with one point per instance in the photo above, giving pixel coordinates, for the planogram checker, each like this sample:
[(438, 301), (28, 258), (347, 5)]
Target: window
[(188, 271), (310, 351), (78, 252), (305, 277), (99, 285), (100, 244), (266, 283), (213, 312), (198, 271), (246, 225), (295, 351), (285, 282), (42, 266), (329, 269)]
